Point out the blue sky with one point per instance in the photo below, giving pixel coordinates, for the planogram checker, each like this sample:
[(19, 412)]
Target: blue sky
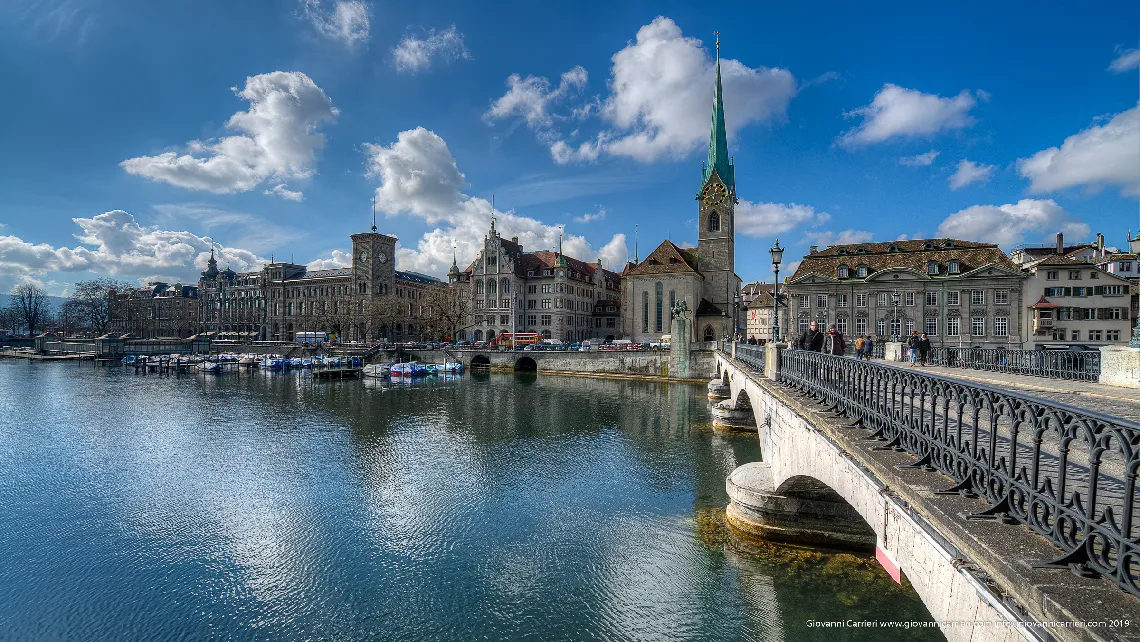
[(138, 135)]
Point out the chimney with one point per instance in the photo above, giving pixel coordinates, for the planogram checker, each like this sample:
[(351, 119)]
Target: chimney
[(1060, 243), (515, 240), (813, 249), (1099, 245)]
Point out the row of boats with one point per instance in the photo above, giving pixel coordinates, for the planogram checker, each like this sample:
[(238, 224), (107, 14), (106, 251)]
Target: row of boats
[(411, 369), (217, 363)]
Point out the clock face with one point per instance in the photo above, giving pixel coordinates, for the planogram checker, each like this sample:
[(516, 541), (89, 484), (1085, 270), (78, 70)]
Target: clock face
[(364, 256), (383, 258), (714, 194)]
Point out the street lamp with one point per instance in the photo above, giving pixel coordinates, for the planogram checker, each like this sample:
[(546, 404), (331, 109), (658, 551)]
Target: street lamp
[(895, 303), (735, 315), (777, 253)]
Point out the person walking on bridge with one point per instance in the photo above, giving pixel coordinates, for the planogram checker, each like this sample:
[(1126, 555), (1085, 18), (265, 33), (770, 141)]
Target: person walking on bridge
[(812, 339), (835, 343), (924, 348), (912, 347)]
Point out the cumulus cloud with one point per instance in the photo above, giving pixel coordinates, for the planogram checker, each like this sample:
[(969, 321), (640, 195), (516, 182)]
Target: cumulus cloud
[(658, 106), (767, 219), (900, 113), (1099, 156), (419, 176), (277, 139), (1128, 59), (919, 160), (282, 190), (114, 243), (337, 259), (846, 237), (347, 21), (417, 54), (591, 216), (970, 172), (1010, 224)]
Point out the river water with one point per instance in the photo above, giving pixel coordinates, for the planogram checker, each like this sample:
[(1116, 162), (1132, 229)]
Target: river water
[(270, 506)]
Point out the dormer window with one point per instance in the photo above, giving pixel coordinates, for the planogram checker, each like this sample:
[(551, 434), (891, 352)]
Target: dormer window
[(932, 268), (860, 250), (892, 248), (843, 272), (843, 251), (953, 267), (928, 246), (948, 243), (861, 271)]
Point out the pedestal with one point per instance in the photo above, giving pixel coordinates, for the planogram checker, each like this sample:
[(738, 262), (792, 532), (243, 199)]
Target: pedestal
[(894, 351), (679, 349), (1120, 366)]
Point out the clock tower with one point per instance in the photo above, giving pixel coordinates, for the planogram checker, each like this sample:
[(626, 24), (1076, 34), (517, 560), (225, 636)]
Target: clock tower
[(716, 245), (373, 263)]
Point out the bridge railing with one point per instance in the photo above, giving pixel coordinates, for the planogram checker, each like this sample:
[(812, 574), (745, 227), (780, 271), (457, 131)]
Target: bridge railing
[(751, 355), (1081, 365), (1066, 473)]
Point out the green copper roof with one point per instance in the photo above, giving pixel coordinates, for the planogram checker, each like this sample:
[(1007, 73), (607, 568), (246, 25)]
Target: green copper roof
[(718, 139)]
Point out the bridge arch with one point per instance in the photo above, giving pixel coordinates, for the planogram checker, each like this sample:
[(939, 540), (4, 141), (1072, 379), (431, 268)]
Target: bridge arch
[(480, 360), (526, 364)]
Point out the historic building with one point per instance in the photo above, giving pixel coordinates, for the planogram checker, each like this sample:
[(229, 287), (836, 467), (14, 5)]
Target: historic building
[(547, 293), (704, 277), (758, 313), (957, 292), (158, 311), (368, 301), (1126, 265), (1073, 302)]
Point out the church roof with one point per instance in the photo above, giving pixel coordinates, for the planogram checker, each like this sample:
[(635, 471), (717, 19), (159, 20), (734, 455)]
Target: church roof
[(707, 309), (668, 258), (718, 160)]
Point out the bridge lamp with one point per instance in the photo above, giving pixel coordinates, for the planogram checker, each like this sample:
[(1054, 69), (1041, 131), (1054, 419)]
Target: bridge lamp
[(895, 303), (777, 253)]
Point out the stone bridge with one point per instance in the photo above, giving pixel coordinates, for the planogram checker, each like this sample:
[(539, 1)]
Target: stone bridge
[(834, 473)]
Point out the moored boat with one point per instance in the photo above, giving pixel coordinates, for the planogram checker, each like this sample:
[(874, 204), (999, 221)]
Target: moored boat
[(375, 370), (209, 366)]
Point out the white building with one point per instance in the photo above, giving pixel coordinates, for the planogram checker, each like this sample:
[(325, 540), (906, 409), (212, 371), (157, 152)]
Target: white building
[(1073, 302)]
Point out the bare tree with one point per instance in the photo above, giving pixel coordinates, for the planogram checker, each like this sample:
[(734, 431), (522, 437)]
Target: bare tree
[(449, 310), (31, 305), (91, 303)]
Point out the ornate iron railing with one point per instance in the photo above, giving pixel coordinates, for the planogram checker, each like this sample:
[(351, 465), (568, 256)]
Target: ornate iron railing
[(752, 355), (1058, 364), (1066, 473)]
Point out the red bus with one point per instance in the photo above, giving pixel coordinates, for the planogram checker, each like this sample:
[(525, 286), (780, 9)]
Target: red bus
[(518, 339)]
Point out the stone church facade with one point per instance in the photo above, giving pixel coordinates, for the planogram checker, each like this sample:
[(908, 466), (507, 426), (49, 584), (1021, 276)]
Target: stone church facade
[(704, 277)]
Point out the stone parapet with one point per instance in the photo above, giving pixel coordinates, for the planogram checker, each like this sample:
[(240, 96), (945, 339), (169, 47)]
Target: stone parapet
[(1120, 366)]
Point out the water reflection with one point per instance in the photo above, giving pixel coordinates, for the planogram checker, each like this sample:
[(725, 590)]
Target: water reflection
[(267, 505)]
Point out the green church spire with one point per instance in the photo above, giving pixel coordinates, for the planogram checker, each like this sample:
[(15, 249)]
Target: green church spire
[(718, 138)]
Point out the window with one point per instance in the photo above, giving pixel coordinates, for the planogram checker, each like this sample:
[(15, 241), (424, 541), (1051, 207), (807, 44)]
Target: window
[(1001, 297), (1074, 275), (1124, 266), (841, 324), (803, 300), (479, 287), (978, 326), (896, 328), (660, 305), (931, 298), (531, 304), (544, 319), (953, 267), (1094, 274), (1051, 275), (1112, 335), (1058, 334), (547, 288), (546, 304), (909, 298), (1076, 336), (1001, 326), (714, 222), (860, 326), (860, 300), (932, 268), (884, 299), (843, 272), (977, 297), (952, 298), (881, 327), (821, 300), (953, 326), (504, 319), (506, 288), (491, 287), (505, 304), (803, 324), (672, 299), (930, 326), (645, 311), (531, 319), (841, 300), (1095, 335)]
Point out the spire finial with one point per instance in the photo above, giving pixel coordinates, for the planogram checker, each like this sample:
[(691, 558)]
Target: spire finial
[(373, 212), (717, 33), (635, 259), (560, 238), (492, 212)]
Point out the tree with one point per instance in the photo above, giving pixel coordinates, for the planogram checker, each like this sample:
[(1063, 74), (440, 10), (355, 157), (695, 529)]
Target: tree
[(449, 310), (31, 305), (91, 303)]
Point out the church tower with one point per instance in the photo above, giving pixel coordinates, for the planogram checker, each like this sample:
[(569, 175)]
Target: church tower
[(716, 245)]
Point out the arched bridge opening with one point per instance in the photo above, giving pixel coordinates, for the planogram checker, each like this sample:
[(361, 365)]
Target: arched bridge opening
[(480, 361), (526, 364)]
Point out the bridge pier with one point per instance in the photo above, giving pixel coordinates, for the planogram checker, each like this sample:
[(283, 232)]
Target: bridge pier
[(803, 511), (718, 390)]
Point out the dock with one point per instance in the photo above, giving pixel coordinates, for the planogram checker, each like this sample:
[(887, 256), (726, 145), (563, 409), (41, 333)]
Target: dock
[(319, 373)]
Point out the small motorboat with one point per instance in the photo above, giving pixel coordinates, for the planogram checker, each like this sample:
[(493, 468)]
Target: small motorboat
[(411, 369), (212, 367), (247, 360), (376, 370), (450, 367), (130, 360), (271, 363)]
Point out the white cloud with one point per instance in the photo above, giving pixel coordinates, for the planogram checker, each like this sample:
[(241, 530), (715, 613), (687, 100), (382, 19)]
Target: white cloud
[(1128, 59), (282, 190), (846, 237), (531, 97), (419, 176), (591, 216), (768, 219), (1008, 225), (114, 243), (417, 54), (1099, 156), (970, 172), (898, 112), (278, 139), (919, 160), (660, 94), (346, 20), (337, 259)]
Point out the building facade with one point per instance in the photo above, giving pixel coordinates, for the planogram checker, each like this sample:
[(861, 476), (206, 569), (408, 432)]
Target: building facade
[(158, 311), (960, 293), (704, 277), (1126, 265), (547, 293), (758, 314), (1073, 302)]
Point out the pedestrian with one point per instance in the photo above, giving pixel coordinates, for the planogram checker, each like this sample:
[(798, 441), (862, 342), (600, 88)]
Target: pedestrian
[(924, 348), (869, 348), (811, 339), (860, 343), (912, 347), (836, 345)]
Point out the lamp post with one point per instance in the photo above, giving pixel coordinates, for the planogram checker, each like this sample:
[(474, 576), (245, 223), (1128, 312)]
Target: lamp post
[(895, 304), (777, 253), (735, 315), (723, 323)]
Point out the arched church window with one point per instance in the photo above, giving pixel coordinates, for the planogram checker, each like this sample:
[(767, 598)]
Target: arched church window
[(645, 311), (714, 222), (709, 334), (660, 302), (491, 286), (506, 289)]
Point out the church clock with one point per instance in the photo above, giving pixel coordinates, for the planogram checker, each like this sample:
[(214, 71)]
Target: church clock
[(714, 193)]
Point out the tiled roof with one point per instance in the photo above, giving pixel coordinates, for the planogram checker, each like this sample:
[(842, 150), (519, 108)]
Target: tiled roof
[(1119, 256), (763, 300), (706, 308), (324, 274), (416, 277), (1044, 251), (1057, 259), (668, 258), (912, 254)]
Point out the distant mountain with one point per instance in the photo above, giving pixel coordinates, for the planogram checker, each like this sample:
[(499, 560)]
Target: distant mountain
[(54, 302)]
